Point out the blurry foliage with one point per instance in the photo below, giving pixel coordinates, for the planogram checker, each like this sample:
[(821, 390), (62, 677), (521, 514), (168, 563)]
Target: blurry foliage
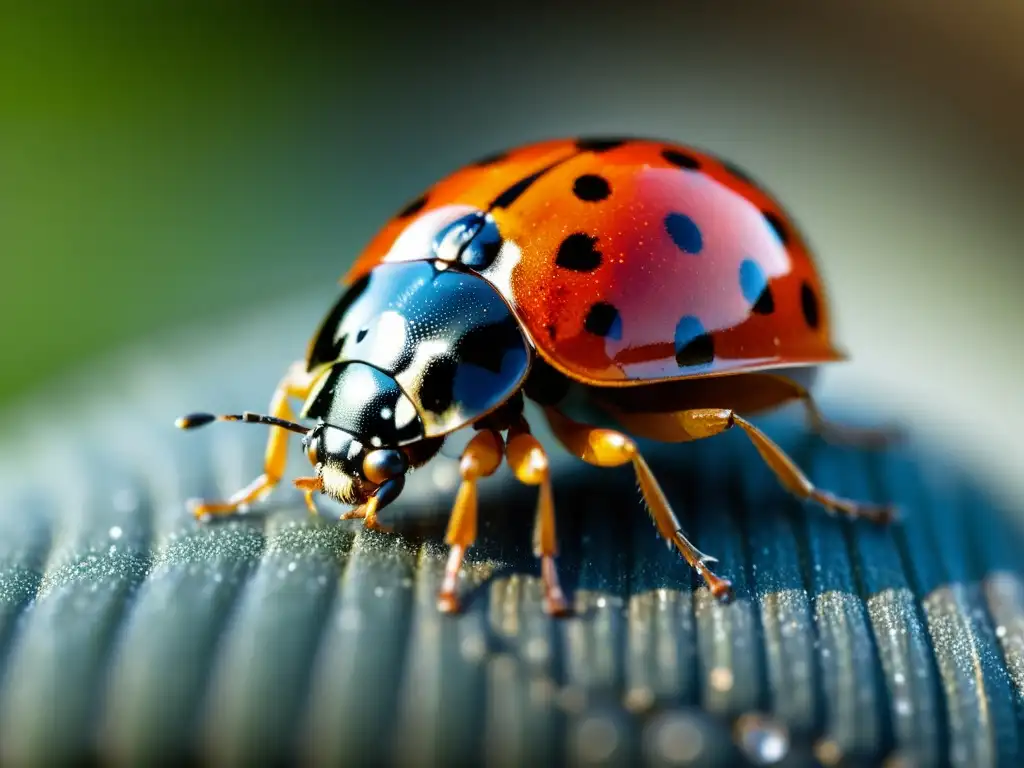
[(154, 170)]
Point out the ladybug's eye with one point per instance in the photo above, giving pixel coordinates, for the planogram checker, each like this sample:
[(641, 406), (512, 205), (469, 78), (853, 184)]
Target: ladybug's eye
[(312, 443)]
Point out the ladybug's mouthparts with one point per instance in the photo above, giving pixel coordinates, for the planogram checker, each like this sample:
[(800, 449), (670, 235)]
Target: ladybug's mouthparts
[(342, 487)]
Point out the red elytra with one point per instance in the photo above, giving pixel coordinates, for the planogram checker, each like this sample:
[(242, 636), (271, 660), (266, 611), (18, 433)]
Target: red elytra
[(634, 261)]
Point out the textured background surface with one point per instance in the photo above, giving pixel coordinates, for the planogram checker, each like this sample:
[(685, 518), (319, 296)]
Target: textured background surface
[(128, 630)]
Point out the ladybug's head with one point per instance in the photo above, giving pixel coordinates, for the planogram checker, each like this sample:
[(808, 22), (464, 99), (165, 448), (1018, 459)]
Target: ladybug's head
[(352, 472), (349, 469)]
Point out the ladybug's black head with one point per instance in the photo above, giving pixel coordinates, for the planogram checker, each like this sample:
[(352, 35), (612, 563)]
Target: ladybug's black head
[(347, 468), (352, 472)]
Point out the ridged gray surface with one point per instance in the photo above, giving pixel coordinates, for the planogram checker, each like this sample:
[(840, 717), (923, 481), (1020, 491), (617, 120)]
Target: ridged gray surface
[(130, 633)]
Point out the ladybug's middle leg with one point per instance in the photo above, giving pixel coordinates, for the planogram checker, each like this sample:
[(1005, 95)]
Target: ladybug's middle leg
[(480, 458), (530, 464), (608, 448)]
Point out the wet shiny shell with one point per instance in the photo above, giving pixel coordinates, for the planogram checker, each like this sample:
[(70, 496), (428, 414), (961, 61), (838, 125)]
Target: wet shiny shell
[(418, 350), (626, 260)]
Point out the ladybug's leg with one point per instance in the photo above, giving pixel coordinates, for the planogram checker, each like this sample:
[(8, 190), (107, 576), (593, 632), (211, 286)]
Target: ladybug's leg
[(296, 383), (480, 458), (309, 487), (841, 434), (530, 464), (706, 422), (608, 448)]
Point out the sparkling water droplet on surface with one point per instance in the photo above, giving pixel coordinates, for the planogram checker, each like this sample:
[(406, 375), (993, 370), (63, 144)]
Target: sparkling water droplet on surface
[(721, 679), (597, 738), (763, 739), (676, 739)]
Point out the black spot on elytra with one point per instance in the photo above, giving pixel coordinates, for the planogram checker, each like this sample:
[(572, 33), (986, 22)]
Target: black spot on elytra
[(513, 193), (603, 320), (437, 387), (693, 345), (681, 159), (591, 188), (577, 252), (809, 305), (361, 334), (684, 233), (778, 226), (765, 303), (739, 173), (754, 284), (491, 159), (599, 144), (510, 195), (415, 206)]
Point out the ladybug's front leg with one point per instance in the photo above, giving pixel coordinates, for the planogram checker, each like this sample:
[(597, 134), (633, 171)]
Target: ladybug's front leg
[(296, 383)]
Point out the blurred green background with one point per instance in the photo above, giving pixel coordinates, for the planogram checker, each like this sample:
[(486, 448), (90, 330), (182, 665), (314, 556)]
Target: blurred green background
[(176, 165)]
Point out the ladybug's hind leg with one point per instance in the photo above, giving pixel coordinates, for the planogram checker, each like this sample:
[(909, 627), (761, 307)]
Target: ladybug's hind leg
[(296, 383), (706, 422), (608, 448), (874, 438)]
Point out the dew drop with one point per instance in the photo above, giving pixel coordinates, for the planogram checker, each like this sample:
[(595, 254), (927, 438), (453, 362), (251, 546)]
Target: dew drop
[(721, 679), (115, 532), (597, 738), (676, 739), (764, 740)]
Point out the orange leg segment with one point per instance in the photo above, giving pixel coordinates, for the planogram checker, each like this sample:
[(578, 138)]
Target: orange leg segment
[(309, 487), (296, 383), (481, 458), (367, 512), (874, 438), (530, 464), (608, 448), (706, 422)]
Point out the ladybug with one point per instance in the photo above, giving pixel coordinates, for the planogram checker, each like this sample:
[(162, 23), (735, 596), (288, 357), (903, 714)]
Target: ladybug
[(632, 288)]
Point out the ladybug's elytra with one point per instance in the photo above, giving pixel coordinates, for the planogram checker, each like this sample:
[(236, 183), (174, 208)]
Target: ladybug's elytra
[(632, 288)]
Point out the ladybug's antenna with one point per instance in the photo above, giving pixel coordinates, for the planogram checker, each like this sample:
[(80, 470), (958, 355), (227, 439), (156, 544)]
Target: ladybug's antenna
[(195, 420)]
